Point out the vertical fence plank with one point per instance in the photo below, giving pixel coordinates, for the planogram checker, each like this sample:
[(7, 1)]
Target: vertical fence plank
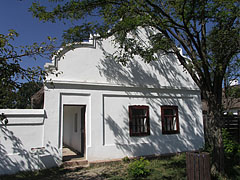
[(238, 119), (197, 170), (207, 166), (187, 166), (201, 163), (198, 166), (190, 166)]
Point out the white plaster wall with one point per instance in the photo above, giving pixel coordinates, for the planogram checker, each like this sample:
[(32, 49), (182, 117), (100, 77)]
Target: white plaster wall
[(86, 76), (107, 128), (115, 131), (21, 141), (116, 120), (95, 65), (55, 99)]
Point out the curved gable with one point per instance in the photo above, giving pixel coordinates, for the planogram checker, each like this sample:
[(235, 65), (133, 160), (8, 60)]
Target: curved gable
[(88, 63)]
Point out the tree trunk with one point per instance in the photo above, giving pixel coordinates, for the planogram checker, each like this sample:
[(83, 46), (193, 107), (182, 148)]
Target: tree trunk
[(214, 134)]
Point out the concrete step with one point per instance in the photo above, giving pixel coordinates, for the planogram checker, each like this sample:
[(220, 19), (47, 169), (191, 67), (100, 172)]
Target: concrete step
[(75, 163)]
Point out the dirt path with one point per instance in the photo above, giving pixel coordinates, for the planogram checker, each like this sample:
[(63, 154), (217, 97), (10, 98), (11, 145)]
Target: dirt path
[(91, 173)]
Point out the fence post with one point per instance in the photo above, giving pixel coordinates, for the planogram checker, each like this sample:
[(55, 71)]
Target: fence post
[(238, 119), (198, 166)]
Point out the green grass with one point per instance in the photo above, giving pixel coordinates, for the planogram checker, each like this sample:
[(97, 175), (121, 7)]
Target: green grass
[(168, 168), (29, 175), (163, 168)]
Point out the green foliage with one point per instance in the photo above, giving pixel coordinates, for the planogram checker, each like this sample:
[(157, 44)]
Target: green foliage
[(126, 159), (12, 71), (139, 168), (25, 92), (231, 147), (161, 169), (169, 168), (233, 92), (207, 31), (21, 97), (232, 155)]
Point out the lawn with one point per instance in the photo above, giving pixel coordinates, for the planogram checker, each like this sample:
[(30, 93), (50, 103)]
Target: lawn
[(160, 168)]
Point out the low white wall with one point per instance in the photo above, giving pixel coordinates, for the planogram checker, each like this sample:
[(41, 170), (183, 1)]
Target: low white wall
[(21, 141)]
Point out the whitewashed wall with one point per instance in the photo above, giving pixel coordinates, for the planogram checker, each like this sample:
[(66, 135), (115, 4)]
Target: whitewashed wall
[(22, 141), (89, 76), (92, 64), (107, 119)]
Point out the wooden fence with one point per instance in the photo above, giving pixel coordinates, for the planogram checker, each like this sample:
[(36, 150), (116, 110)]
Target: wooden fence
[(231, 123), (198, 166)]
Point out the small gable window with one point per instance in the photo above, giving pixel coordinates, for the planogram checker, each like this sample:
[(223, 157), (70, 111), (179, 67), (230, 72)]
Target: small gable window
[(170, 120), (139, 121)]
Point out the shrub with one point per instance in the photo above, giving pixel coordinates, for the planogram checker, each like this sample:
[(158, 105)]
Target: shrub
[(231, 148), (125, 159), (139, 168)]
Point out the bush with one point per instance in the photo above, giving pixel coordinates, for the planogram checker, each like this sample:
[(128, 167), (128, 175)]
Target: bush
[(126, 159), (231, 152), (231, 147), (139, 168)]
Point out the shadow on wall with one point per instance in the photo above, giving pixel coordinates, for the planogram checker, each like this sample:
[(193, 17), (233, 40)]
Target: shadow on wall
[(22, 159), (191, 131), (136, 75), (190, 137)]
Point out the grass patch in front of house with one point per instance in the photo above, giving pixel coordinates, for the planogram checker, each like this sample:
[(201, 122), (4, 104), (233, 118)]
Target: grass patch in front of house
[(168, 168), (160, 168), (39, 174), (163, 168)]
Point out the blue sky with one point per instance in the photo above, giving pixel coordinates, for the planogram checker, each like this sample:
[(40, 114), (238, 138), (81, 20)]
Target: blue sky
[(14, 15)]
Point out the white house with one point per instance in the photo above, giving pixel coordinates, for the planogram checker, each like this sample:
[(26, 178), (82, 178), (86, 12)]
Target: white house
[(104, 110)]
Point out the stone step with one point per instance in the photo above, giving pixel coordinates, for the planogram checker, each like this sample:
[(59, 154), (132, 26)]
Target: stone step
[(75, 164)]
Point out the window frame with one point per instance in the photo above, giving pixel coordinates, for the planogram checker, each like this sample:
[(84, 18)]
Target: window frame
[(172, 107), (130, 108)]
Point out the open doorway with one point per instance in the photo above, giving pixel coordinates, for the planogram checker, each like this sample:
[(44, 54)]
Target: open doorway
[(73, 131)]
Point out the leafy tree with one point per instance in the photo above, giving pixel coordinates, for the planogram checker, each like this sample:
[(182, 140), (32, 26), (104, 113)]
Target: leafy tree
[(12, 72), (206, 30), (20, 98), (231, 93), (231, 97), (25, 92)]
